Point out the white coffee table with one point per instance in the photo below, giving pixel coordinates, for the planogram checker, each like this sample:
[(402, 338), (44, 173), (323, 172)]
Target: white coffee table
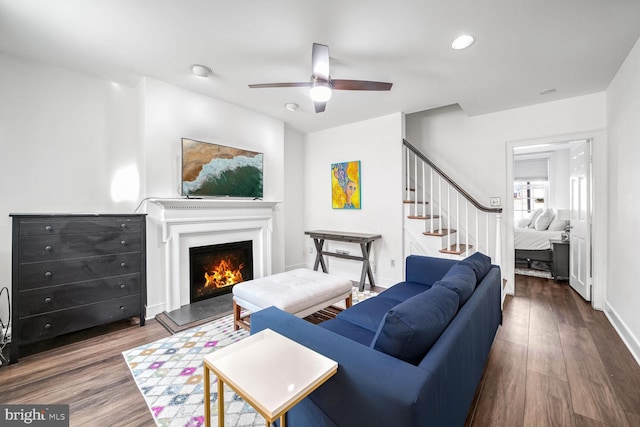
[(269, 371)]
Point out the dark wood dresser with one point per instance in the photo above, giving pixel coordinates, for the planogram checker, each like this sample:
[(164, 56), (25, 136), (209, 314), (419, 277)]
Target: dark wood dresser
[(71, 272)]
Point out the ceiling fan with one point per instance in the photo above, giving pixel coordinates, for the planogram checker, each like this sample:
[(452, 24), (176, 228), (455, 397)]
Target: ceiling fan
[(321, 84)]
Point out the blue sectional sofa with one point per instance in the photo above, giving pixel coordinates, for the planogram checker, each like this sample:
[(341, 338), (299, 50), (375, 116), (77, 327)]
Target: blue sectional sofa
[(411, 356)]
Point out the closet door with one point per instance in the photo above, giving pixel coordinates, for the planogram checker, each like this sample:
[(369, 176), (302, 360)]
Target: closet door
[(580, 235)]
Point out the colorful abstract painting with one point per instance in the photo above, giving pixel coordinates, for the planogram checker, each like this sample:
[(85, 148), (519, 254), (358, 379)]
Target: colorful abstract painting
[(345, 185)]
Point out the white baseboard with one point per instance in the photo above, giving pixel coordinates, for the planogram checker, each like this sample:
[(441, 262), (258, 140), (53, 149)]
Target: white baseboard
[(152, 310), (631, 341)]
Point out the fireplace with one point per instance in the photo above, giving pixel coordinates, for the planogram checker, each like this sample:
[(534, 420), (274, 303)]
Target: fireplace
[(215, 269)]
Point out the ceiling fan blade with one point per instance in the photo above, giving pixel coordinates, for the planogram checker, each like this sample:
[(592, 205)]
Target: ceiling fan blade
[(360, 85), (320, 106), (320, 62), (267, 85)]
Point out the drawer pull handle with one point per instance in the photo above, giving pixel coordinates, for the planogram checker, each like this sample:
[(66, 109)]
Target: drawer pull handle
[(122, 308), (47, 325), (48, 228), (47, 299), (122, 286), (48, 248), (123, 264), (47, 274), (123, 242), (123, 225)]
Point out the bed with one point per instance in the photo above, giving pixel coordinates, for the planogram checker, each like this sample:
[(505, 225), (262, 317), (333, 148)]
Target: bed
[(531, 238), (533, 245)]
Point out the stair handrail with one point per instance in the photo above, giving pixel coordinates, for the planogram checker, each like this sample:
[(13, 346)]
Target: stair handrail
[(451, 182)]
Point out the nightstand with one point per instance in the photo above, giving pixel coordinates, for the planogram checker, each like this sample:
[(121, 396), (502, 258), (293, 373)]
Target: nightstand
[(560, 259)]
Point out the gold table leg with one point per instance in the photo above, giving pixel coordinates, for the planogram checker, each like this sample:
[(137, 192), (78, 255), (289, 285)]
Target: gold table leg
[(207, 398), (220, 403)]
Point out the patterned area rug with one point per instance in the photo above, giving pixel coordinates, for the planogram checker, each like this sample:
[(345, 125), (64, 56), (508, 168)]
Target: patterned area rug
[(532, 272), (169, 374)]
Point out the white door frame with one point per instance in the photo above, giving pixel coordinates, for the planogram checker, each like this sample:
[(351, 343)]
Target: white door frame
[(599, 226)]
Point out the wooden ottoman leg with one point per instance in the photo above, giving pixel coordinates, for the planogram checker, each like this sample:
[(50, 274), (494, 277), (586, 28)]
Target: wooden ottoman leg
[(236, 316), (348, 301)]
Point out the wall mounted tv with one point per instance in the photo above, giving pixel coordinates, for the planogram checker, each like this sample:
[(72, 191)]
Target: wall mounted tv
[(213, 170)]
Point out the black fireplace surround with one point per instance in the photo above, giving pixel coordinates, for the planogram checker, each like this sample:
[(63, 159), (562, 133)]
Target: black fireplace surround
[(215, 269)]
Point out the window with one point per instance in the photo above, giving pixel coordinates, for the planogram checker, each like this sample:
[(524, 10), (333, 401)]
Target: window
[(529, 196)]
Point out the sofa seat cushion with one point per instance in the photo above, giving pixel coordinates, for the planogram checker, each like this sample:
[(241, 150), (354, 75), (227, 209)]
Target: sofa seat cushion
[(411, 328), (349, 330), (404, 290), (369, 313), (480, 263), (461, 279)]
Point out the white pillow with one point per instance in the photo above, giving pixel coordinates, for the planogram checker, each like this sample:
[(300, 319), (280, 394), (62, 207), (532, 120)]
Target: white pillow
[(557, 225), (534, 216), (523, 222), (544, 219)]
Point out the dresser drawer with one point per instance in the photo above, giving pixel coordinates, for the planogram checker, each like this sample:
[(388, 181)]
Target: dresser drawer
[(49, 325), (54, 225), (62, 246), (42, 274), (43, 300)]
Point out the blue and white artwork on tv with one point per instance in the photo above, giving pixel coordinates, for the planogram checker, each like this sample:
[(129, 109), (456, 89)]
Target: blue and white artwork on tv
[(214, 170)]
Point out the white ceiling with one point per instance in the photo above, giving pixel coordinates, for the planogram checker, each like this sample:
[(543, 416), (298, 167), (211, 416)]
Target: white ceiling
[(523, 47)]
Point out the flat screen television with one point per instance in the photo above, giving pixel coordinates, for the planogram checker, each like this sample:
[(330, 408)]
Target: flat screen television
[(214, 170)]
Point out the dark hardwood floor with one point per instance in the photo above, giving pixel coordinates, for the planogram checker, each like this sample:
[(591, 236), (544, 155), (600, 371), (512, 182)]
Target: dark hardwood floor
[(555, 362)]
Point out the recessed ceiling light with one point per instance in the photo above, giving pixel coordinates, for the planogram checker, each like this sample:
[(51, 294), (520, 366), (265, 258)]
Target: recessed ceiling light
[(462, 42), (547, 91), (201, 70), (291, 106)]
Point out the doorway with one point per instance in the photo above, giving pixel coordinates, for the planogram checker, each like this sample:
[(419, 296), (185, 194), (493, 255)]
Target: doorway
[(592, 251)]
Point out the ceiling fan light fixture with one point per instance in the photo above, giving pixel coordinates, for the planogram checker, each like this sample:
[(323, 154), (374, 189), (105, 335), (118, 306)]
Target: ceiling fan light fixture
[(320, 91), (201, 70), (463, 42)]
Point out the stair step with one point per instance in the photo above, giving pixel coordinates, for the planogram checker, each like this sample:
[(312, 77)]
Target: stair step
[(454, 250), (423, 216), (413, 201), (439, 233)]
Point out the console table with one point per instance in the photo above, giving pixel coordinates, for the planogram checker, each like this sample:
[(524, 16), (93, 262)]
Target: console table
[(363, 239)]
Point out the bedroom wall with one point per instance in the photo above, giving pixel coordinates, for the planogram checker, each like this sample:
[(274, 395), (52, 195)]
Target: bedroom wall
[(64, 137), (622, 294), (473, 150), (377, 143)]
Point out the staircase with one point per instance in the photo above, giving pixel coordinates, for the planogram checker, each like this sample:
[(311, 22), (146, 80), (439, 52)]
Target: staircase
[(441, 219)]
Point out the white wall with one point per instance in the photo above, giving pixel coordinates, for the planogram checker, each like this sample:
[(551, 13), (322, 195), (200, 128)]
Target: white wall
[(473, 150), (171, 113), (66, 136), (622, 295), (559, 179), (63, 138), (377, 143), (294, 208)]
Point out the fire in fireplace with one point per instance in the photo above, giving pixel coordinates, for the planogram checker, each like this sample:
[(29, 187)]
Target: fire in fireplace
[(214, 269)]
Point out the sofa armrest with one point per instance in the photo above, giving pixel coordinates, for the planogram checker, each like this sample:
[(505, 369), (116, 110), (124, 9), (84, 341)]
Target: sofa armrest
[(427, 270), (370, 388)]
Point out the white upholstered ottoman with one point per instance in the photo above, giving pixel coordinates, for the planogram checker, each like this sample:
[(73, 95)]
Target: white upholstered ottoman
[(299, 292)]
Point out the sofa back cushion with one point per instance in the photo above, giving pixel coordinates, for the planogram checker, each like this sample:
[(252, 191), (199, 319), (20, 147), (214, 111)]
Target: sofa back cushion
[(479, 263), (461, 279), (410, 329)]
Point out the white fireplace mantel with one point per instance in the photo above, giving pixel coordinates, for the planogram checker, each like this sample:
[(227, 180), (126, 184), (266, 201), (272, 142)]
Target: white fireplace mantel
[(175, 225)]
